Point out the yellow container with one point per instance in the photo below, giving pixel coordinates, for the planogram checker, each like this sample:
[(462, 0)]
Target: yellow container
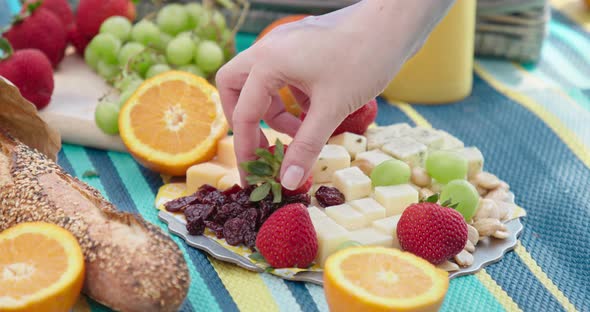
[(441, 72)]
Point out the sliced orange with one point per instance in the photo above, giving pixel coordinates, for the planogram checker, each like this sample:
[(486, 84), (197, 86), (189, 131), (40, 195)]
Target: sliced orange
[(41, 268), (382, 279), (173, 121)]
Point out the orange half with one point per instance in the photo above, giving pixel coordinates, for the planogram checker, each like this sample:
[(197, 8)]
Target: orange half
[(41, 268), (173, 121), (382, 279)]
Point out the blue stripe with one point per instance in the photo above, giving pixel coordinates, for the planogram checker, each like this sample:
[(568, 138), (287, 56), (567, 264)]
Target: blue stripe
[(389, 114), (571, 54), (302, 296), (64, 162), (558, 16), (547, 178), (199, 259)]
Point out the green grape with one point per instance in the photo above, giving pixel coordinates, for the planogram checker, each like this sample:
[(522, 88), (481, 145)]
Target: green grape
[(117, 26), (173, 19), (164, 40), (212, 24), (125, 95), (390, 172), (193, 69), (106, 70), (127, 81), (209, 56), (462, 193), (445, 166), (146, 33), (156, 70), (142, 62), (348, 244), (228, 44), (129, 50), (106, 47), (194, 11), (91, 58), (180, 51), (106, 117)]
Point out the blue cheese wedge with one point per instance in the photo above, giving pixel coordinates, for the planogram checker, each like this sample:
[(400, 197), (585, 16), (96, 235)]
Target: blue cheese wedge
[(406, 149), (474, 160), (331, 158), (378, 136), (450, 142), (429, 137)]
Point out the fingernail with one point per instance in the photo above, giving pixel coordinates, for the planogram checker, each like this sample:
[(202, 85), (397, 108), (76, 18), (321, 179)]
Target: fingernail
[(292, 177)]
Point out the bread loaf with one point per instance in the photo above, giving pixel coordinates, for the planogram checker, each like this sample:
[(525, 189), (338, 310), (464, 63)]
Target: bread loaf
[(131, 265)]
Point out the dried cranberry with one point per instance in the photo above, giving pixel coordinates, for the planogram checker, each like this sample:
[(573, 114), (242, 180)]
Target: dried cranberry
[(216, 228), (195, 225), (241, 197), (234, 230), (251, 217), (228, 211), (214, 198), (232, 190), (295, 199), (329, 196), (202, 210), (250, 239), (180, 204), (206, 189)]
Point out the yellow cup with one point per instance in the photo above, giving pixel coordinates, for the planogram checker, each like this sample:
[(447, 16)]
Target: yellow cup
[(441, 72)]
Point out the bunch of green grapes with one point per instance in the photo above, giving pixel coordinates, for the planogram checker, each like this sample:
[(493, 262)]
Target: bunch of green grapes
[(189, 37)]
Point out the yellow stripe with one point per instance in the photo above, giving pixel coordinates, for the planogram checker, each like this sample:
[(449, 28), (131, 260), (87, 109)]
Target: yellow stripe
[(543, 278), (576, 10), (567, 136), (501, 296), (247, 289)]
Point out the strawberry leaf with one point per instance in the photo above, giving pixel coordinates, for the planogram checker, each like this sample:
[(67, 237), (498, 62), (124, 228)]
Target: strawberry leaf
[(279, 150), (260, 192), (431, 199), (276, 192), (5, 49), (257, 167), (253, 179), (265, 154), (32, 6)]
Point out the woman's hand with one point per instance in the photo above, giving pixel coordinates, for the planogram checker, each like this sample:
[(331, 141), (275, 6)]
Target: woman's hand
[(333, 64)]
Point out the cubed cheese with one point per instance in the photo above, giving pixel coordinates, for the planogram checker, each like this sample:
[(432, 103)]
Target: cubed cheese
[(372, 237), (450, 142), (366, 161), (378, 136), (204, 173), (316, 214), (231, 178), (273, 135), (225, 152), (474, 160), (369, 207), (429, 137), (331, 158), (347, 216), (352, 142), (389, 227), (406, 149), (396, 198), (352, 182), (330, 236)]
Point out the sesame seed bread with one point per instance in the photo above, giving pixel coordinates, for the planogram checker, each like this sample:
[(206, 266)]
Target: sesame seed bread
[(131, 265)]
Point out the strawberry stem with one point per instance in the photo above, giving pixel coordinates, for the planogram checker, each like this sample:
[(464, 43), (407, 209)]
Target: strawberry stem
[(5, 49)]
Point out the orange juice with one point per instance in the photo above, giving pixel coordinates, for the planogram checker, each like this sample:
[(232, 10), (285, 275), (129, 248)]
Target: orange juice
[(441, 72)]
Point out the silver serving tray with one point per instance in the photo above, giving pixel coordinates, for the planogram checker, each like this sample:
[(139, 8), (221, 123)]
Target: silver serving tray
[(487, 251)]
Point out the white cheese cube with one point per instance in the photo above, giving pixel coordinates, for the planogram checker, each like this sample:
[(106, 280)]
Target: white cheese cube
[(352, 142), (331, 158), (225, 152), (406, 149), (450, 142), (273, 135), (372, 237), (429, 137), (352, 182), (474, 160), (231, 178), (204, 173), (378, 136), (389, 227), (330, 236), (317, 215), (346, 216), (369, 207), (366, 161), (396, 198)]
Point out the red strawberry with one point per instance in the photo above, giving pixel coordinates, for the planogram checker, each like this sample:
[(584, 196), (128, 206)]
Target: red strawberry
[(40, 30), (91, 14), (432, 232), (287, 239), (30, 71), (357, 122), (303, 189), (61, 9)]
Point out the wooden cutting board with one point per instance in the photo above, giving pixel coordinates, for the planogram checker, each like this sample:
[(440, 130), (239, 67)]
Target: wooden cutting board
[(71, 111)]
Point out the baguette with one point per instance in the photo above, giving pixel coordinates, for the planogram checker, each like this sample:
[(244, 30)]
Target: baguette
[(131, 265)]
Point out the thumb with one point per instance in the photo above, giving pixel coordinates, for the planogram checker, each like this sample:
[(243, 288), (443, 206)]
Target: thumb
[(316, 129)]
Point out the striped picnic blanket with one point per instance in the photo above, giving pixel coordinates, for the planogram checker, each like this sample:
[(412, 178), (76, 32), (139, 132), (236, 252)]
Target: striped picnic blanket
[(532, 123)]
